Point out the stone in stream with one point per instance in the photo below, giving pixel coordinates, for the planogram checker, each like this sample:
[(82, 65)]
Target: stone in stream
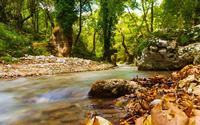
[(112, 88)]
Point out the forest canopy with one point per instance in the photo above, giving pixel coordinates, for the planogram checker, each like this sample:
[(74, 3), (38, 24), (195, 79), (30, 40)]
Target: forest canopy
[(94, 29)]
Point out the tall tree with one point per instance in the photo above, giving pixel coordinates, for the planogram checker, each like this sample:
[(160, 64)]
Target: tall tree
[(180, 14), (66, 16), (152, 14), (109, 12)]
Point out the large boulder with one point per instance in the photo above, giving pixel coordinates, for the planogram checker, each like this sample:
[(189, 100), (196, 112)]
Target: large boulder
[(166, 55), (112, 88), (162, 55)]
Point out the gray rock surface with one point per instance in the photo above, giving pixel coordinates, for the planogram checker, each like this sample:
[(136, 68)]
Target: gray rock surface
[(169, 56)]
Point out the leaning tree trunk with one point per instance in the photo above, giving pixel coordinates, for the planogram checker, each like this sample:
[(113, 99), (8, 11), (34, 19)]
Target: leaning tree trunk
[(152, 15), (94, 42), (62, 43), (130, 56)]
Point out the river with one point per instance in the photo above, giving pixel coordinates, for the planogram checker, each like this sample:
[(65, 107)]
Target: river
[(59, 99)]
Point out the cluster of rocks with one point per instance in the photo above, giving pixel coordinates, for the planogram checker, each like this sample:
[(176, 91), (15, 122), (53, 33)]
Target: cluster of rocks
[(48, 65), (167, 55)]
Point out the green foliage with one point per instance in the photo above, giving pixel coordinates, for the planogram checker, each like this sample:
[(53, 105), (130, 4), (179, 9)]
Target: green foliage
[(165, 35), (13, 43), (40, 48), (103, 23), (6, 59), (143, 43), (80, 50), (183, 40), (108, 19), (180, 14), (66, 14), (189, 36)]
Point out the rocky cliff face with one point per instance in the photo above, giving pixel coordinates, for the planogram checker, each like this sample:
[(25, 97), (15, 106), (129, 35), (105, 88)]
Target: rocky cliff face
[(166, 55)]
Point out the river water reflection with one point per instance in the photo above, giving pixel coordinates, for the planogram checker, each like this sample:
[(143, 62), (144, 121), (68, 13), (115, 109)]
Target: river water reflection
[(59, 99)]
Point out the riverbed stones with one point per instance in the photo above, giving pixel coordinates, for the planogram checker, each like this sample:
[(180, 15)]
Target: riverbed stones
[(153, 48), (112, 88), (163, 51), (48, 65), (162, 43)]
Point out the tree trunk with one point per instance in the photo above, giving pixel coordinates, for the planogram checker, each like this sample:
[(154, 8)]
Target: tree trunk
[(37, 21), (3, 14), (50, 19), (94, 42), (62, 43), (80, 23), (130, 56), (107, 41), (152, 15), (69, 43), (145, 12)]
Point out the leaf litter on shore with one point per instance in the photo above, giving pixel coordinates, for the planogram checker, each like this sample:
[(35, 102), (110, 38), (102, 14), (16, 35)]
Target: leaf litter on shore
[(161, 100)]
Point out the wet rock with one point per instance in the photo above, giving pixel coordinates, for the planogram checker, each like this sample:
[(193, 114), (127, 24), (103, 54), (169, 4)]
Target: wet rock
[(112, 88)]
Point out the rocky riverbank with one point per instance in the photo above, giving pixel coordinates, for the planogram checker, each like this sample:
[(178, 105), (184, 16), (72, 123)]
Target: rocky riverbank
[(158, 100), (167, 55), (48, 65)]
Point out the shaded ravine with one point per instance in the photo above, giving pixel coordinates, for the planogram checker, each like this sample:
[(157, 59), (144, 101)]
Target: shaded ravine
[(59, 99)]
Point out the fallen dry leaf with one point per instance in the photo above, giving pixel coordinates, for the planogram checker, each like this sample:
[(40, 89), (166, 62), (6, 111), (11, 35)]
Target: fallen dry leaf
[(172, 116), (97, 120)]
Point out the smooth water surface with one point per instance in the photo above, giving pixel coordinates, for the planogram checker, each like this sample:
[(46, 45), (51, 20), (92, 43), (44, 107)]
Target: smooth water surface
[(59, 99)]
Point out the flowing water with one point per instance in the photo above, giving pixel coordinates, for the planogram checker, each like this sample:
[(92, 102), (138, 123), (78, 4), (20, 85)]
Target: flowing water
[(59, 99)]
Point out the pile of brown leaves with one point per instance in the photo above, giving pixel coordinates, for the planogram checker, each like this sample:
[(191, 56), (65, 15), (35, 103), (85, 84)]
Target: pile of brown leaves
[(186, 71), (164, 101)]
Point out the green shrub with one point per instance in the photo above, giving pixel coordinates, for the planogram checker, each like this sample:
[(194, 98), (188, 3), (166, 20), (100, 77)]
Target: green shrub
[(41, 51), (16, 44), (80, 50), (40, 48), (142, 44), (6, 59), (184, 40), (12, 42)]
